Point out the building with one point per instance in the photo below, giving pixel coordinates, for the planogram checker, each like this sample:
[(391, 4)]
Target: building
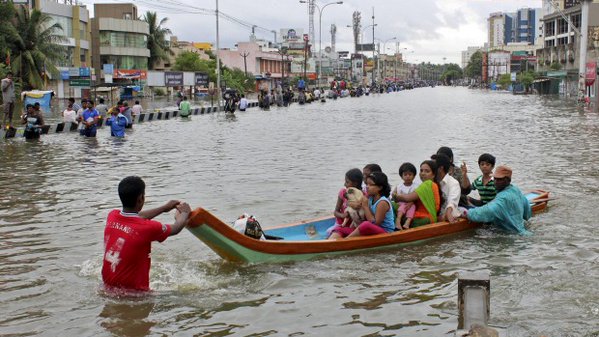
[(178, 47), (467, 54), (522, 26), (390, 66), (74, 20), (119, 41), (264, 62), (558, 57), (496, 24)]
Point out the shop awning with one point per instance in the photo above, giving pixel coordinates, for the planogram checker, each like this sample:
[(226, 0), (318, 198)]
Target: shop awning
[(541, 80)]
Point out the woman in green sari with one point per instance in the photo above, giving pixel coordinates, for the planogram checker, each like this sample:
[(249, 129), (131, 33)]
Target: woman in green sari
[(426, 197)]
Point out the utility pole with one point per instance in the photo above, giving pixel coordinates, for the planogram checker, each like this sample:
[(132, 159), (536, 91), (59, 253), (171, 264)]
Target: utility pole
[(373, 50), (305, 60), (217, 60), (245, 54)]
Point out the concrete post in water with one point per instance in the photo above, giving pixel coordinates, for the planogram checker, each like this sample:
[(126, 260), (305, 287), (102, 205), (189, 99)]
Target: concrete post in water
[(474, 293)]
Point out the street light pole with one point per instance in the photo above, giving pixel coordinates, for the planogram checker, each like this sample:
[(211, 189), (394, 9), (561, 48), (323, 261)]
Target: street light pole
[(373, 51), (217, 60), (320, 10)]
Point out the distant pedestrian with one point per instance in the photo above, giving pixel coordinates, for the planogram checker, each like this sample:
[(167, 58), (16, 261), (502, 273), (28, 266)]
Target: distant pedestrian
[(8, 98), (184, 107), (126, 111), (69, 115), (90, 120), (136, 109), (117, 122), (102, 109), (33, 121), (243, 103), (76, 106)]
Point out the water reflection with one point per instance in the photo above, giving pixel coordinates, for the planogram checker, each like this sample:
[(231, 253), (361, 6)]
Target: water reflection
[(127, 318)]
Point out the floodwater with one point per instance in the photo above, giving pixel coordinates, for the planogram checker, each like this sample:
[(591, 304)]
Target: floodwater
[(286, 165)]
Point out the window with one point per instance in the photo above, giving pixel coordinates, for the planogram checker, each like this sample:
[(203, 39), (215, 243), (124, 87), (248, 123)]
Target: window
[(575, 20), (82, 30), (550, 28), (549, 43), (562, 41), (562, 26), (64, 22), (123, 39)]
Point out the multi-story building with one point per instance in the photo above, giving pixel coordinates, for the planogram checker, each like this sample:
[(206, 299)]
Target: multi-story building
[(496, 23), (390, 66), (74, 20), (119, 39), (522, 26), (467, 54), (558, 57)]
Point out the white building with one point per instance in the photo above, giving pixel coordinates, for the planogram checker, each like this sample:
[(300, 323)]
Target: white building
[(467, 54)]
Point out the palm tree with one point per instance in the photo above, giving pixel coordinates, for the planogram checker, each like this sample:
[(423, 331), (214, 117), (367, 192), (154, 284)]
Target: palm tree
[(36, 49), (8, 33), (157, 43)]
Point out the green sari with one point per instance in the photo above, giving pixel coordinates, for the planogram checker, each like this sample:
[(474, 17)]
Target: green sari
[(427, 198)]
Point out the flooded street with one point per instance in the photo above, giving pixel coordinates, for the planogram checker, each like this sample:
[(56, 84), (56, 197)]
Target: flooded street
[(287, 165)]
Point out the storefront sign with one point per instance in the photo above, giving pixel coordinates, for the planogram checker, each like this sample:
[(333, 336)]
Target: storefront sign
[(80, 83), (591, 73), (173, 78)]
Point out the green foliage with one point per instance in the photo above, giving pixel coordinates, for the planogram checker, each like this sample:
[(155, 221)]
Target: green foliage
[(505, 80), (474, 69), (8, 32), (452, 72), (527, 78), (159, 91), (157, 39), (36, 47), (236, 79), (555, 66), (190, 61)]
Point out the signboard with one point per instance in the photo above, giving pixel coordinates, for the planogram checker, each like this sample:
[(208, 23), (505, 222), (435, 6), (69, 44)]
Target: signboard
[(343, 54), (84, 72), (80, 82), (64, 74), (173, 78), (108, 68), (591, 73), (201, 79), (306, 38), (73, 72), (364, 47), (291, 34), (513, 76), (133, 74)]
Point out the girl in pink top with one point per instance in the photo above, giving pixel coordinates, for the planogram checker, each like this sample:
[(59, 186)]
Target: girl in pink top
[(353, 178)]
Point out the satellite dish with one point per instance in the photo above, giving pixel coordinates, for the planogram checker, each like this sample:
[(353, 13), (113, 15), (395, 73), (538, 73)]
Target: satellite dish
[(328, 49)]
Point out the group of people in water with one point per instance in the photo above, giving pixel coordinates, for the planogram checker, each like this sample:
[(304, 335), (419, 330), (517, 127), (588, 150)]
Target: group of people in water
[(441, 194)]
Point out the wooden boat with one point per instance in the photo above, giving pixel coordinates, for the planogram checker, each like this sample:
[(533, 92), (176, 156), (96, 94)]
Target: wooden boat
[(307, 239)]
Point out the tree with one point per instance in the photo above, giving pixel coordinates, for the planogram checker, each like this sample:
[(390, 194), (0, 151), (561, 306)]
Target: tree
[(157, 43), (190, 61), (474, 69), (36, 49), (555, 66), (8, 32), (452, 72), (505, 80), (527, 78)]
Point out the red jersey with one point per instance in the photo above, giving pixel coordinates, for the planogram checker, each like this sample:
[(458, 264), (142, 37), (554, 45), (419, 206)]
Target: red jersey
[(127, 246)]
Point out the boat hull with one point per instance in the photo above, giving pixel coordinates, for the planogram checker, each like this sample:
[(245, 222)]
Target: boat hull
[(306, 240)]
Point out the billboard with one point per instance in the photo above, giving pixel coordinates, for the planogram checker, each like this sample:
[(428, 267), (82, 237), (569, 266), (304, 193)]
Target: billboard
[(291, 34), (201, 79), (364, 47), (132, 74), (173, 78)]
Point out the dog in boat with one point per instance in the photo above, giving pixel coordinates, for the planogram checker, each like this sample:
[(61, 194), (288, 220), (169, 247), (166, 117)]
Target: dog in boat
[(354, 211)]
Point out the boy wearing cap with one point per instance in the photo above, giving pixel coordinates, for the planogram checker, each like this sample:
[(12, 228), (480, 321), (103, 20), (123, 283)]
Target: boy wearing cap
[(509, 209)]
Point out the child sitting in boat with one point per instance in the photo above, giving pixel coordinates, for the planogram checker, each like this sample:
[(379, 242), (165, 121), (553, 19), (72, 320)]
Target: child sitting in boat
[(427, 196), (366, 171), (407, 172), (484, 184), (377, 209), (353, 178)]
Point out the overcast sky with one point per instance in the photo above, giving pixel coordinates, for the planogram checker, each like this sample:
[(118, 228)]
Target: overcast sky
[(430, 29)]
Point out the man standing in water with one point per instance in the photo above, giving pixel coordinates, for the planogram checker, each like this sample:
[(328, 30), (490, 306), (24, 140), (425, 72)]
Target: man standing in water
[(509, 209), (8, 98), (129, 233)]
